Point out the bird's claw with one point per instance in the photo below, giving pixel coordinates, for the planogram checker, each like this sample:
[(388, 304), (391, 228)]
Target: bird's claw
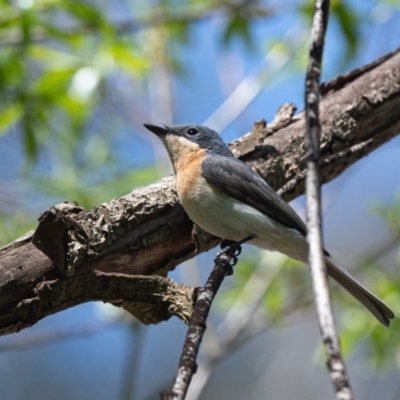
[(233, 250)]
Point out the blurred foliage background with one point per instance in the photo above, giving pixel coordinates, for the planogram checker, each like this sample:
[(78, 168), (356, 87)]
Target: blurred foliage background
[(78, 79)]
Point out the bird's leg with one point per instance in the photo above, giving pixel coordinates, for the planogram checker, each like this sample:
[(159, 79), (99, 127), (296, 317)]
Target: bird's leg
[(225, 244), (233, 249)]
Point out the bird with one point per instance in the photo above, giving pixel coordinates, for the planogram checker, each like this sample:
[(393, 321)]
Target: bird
[(228, 199)]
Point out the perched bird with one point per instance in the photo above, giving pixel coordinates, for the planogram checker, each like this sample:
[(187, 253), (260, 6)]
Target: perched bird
[(228, 199)]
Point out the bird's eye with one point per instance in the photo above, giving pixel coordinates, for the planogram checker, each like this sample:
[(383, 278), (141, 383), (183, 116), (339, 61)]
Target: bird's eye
[(192, 131)]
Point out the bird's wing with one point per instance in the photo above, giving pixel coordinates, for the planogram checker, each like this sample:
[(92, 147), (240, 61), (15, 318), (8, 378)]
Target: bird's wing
[(237, 179)]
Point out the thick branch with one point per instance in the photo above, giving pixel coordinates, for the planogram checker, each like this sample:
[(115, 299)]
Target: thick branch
[(359, 107), (156, 298), (147, 231)]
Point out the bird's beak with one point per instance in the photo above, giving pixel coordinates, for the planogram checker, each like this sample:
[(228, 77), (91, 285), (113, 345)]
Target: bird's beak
[(157, 130)]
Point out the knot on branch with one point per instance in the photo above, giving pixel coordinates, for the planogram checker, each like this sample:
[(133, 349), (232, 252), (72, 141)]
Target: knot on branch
[(61, 237)]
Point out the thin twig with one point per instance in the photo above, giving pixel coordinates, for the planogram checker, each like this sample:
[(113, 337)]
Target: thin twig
[(51, 336), (314, 237), (133, 359), (197, 326), (241, 322)]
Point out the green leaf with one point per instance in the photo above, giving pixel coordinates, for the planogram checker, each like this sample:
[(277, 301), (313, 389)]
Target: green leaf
[(72, 106), (9, 116), (349, 24), (275, 297), (30, 143), (72, 37), (53, 82), (10, 19), (53, 58), (179, 30), (238, 26), (12, 69), (87, 14), (127, 59), (28, 21), (307, 9)]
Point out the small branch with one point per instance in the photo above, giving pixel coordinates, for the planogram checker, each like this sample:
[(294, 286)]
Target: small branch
[(47, 337), (133, 358), (241, 322), (197, 327), (314, 237)]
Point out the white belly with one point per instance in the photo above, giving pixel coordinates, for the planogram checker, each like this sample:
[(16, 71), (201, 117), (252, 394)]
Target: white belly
[(227, 218)]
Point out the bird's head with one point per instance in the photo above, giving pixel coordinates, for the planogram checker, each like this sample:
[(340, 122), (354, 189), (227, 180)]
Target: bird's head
[(180, 140)]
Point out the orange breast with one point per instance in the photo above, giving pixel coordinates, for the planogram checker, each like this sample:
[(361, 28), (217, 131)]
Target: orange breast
[(188, 172)]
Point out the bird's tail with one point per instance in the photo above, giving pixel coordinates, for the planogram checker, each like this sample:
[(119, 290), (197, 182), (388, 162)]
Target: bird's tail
[(382, 313)]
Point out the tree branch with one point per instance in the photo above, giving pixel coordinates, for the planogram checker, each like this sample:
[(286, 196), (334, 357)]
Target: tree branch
[(316, 256), (197, 327), (150, 298), (147, 232)]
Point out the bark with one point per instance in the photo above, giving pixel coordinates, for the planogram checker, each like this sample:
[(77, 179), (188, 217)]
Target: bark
[(147, 232)]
